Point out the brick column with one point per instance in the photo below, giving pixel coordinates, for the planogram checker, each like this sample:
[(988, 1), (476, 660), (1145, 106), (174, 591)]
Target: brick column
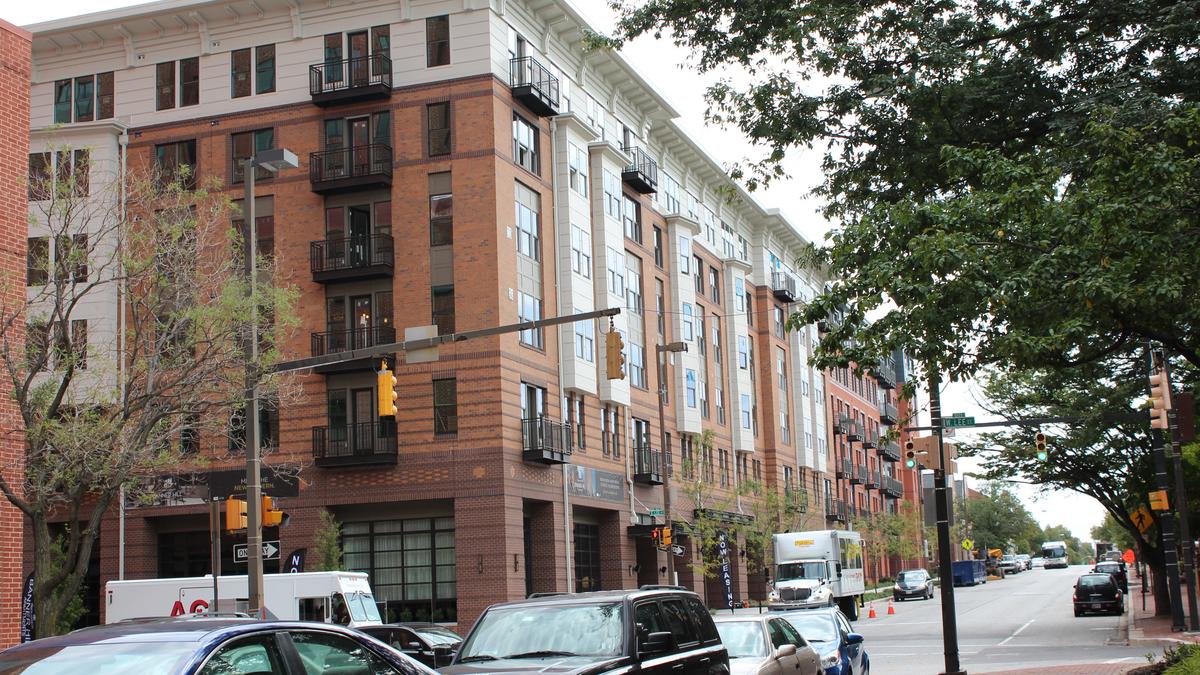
[(548, 562), (15, 55), (488, 533), (617, 555)]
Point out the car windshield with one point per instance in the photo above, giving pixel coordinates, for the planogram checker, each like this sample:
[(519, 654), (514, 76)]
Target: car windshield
[(918, 575), (362, 607), (742, 638), (1095, 580), (814, 626), (801, 570), (438, 636), (585, 630), (119, 658)]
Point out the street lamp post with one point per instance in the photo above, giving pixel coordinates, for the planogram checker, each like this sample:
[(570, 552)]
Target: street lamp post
[(272, 160), (659, 350)]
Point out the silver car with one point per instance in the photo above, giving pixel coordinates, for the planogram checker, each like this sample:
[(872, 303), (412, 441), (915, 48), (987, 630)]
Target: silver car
[(766, 645)]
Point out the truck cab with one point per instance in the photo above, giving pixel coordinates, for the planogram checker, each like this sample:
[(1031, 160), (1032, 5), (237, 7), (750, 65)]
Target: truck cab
[(817, 569)]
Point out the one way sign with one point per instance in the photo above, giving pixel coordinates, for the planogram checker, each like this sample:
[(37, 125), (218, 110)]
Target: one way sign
[(270, 551)]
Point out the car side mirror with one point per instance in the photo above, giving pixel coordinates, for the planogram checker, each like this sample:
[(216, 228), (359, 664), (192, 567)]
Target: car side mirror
[(785, 650), (414, 645), (443, 650), (854, 638), (658, 643)]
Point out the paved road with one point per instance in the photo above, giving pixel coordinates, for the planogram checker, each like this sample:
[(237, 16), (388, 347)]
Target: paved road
[(1023, 621)]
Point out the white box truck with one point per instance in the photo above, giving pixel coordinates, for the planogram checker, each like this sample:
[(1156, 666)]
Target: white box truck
[(331, 597), (818, 568)]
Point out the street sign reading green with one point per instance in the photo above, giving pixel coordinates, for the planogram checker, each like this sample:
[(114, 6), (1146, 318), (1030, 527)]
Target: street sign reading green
[(958, 420), (657, 513)]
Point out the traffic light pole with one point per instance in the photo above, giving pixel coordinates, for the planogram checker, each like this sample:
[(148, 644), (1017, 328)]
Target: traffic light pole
[(1166, 520), (942, 504), (1185, 528), (254, 571)]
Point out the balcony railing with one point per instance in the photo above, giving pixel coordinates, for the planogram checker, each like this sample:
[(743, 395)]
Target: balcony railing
[(642, 172), (534, 85), (783, 286), (358, 257), (545, 441), (795, 500), (355, 444), (354, 79), (844, 469), (355, 167), (869, 441), (892, 487), (872, 480), (859, 474), (885, 374), (889, 451), (850, 429), (647, 466), (835, 509), (334, 341), (888, 414)]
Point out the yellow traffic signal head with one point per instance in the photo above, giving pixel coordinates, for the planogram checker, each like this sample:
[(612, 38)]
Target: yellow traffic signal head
[(1040, 445), (387, 391), (614, 355), (1160, 399), (235, 514), (271, 516), (910, 454)]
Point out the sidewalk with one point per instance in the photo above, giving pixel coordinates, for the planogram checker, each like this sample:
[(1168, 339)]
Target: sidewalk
[(1077, 669), (1145, 629)]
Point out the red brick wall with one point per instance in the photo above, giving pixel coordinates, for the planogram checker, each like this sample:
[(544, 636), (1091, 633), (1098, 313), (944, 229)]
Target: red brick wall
[(14, 162)]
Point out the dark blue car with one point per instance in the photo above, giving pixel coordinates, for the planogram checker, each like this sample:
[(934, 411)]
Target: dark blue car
[(827, 630), (209, 646)]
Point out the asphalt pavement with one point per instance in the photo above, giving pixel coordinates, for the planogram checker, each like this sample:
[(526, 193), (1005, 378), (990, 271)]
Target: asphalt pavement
[(1023, 621)]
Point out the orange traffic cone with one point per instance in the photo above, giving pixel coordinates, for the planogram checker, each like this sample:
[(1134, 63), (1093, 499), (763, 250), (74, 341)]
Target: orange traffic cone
[(891, 609), (871, 614)]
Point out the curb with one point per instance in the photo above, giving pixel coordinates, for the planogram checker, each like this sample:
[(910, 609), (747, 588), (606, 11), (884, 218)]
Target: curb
[(1135, 637)]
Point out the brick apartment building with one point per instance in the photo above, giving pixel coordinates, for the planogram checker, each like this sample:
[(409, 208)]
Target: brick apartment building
[(14, 142), (468, 165)]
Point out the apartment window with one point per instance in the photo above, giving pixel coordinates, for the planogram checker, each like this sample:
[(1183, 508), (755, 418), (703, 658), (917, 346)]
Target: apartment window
[(587, 557), (719, 395), (239, 73), (437, 126), (443, 308), (633, 286), (723, 459), (264, 223), (781, 368), (71, 258), (441, 210), (688, 327), (616, 272), (714, 285), (581, 251), (83, 99), (687, 458), (746, 411), (445, 406), (264, 69), (610, 430), (533, 401), (788, 480), (585, 339), (780, 322), (658, 246), (689, 381), (528, 222), (189, 81), (577, 167), (716, 339), (410, 564), (612, 194), (739, 294), (660, 306), (41, 183), (62, 102), (749, 307), (670, 193), (743, 352), (576, 417), (177, 161), (189, 435), (437, 41), (685, 255), (37, 261), (698, 276), (631, 218), (530, 309), (247, 144), (701, 335), (525, 144), (637, 366)]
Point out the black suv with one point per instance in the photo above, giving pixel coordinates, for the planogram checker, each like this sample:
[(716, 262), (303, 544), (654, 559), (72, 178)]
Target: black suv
[(654, 629)]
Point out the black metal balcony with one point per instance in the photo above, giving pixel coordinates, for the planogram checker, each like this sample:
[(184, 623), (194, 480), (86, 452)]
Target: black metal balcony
[(868, 442), (333, 341), (842, 511), (888, 414), (783, 286), (885, 374), (357, 167), (647, 466), (795, 500), (843, 469), (534, 85), (892, 487), (872, 480), (351, 258), (889, 451), (545, 441), (859, 476), (346, 80), (642, 172), (851, 429), (355, 444)]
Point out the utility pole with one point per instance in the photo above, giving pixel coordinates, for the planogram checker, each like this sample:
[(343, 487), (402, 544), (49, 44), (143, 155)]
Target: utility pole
[(659, 351), (1185, 528), (1161, 403), (942, 504)]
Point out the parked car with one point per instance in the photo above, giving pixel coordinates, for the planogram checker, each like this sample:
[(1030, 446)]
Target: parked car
[(912, 584), (766, 644), (1037, 561), (208, 646), (1009, 565), (655, 629), (1098, 593), (1117, 570), (829, 632), (428, 643), (1025, 560)]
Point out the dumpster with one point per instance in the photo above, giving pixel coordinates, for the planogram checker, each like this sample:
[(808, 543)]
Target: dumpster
[(969, 572)]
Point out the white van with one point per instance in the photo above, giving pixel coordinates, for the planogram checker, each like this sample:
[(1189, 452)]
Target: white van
[(330, 597)]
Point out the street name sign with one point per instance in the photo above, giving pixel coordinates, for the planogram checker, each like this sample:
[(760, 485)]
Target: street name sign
[(958, 420)]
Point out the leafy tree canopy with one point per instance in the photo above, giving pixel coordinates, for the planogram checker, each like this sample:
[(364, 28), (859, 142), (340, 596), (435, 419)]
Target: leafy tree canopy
[(998, 519)]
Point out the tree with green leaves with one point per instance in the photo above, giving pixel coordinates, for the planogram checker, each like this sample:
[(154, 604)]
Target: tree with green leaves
[(996, 518), (102, 414), (327, 543), (993, 206)]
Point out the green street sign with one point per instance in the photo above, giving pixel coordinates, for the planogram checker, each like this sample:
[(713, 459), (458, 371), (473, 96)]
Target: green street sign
[(958, 421), (657, 513)]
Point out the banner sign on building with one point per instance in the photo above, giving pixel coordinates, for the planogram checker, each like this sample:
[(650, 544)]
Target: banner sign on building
[(295, 561), (27, 616), (726, 572), (597, 484)]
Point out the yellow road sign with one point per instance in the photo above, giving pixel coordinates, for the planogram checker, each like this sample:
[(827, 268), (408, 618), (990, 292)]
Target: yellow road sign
[(968, 545), (1141, 518), (1158, 500)]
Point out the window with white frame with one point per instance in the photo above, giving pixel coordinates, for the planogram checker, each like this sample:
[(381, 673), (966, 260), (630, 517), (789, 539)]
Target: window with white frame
[(577, 164), (528, 222), (585, 339), (688, 327), (581, 251), (689, 382), (739, 294), (743, 352), (633, 285), (719, 395), (709, 220), (616, 272), (637, 365), (727, 239), (529, 308), (692, 205), (525, 144), (612, 194), (746, 411), (670, 193), (685, 255)]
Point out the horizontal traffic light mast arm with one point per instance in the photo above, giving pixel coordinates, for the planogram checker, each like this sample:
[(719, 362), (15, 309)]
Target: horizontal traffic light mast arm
[(1033, 422), (426, 343)]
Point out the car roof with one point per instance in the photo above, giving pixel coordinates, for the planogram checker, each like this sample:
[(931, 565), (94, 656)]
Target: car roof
[(180, 629), (1097, 575), (735, 618), (915, 569), (593, 597)]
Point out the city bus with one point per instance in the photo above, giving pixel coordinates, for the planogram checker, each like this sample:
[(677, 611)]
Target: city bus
[(1055, 553)]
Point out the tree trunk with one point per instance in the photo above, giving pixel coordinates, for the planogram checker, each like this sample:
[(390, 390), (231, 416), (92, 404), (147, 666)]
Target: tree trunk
[(1157, 566)]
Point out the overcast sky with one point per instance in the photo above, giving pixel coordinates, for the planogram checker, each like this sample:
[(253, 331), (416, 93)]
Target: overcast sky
[(667, 68)]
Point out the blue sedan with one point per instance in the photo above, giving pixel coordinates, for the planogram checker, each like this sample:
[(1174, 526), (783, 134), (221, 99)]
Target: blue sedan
[(209, 646), (827, 630)]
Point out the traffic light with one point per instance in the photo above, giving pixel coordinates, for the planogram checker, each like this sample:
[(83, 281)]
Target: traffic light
[(235, 514), (666, 536), (910, 454), (271, 516), (387, 391), (1040, 443), (614, 355), (1160, 399)]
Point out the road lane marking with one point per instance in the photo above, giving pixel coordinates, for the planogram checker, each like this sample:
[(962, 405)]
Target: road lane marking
[(1125, 658), (1016, 633)]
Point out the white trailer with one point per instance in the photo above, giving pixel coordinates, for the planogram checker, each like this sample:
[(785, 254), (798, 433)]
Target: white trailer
[(331, 597), (818, 568)]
